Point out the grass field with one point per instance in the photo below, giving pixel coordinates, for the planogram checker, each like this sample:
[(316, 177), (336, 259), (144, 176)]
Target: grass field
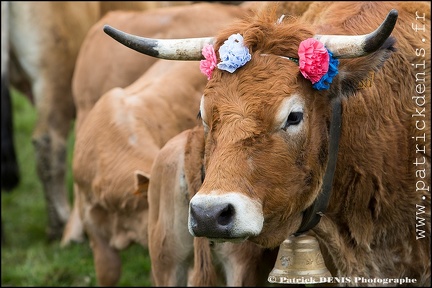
[(27, 259)]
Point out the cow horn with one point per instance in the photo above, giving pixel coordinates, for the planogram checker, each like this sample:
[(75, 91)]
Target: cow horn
[(170, 49), (354, 46), (341, 46)]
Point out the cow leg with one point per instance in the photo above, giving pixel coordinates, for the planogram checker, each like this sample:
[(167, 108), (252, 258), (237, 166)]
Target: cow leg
[(107, 260), (49, 140), (51, 165), (74, 231)]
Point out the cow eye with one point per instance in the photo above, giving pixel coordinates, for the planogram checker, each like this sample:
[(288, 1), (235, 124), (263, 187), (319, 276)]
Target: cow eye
[(294, 118)]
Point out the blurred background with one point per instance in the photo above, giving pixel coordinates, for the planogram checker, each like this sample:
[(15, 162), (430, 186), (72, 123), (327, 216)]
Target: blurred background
[(27, 258)]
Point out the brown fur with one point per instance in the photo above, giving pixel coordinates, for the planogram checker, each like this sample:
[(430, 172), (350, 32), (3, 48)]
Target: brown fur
[(369, 227)]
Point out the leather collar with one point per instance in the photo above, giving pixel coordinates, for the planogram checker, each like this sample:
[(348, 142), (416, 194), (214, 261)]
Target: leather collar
[(312, 215)]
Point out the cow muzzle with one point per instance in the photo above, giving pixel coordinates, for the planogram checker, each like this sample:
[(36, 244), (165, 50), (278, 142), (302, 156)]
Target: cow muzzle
[(229, 217)]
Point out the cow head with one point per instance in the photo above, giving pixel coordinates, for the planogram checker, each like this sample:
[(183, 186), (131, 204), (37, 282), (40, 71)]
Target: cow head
[(267, 128)]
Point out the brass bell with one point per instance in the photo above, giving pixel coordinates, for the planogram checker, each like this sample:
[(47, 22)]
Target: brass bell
[(299, 261)]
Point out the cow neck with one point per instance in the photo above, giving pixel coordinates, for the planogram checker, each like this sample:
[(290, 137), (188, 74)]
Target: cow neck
[(312, 215)]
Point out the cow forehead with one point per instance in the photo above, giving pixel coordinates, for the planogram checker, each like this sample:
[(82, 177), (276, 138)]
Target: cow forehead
[(266, 90)]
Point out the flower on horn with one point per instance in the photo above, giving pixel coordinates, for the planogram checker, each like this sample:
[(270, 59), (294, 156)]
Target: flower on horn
[(317, 64), (209, 64), (233, 54)]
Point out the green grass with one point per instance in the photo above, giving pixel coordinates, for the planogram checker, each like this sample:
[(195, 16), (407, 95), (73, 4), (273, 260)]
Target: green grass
[(27, 258)]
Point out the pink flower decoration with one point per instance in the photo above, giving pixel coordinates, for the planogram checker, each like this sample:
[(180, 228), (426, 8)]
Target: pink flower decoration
[(313, 59), (209, 64)]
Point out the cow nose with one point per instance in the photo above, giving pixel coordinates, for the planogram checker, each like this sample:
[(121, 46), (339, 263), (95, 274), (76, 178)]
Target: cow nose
[(212, 222), (228, 216)]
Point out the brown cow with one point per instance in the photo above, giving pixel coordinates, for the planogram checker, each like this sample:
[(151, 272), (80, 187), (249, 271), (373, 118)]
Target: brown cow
[(120, 138), (176, 176), (44, 40), (298, 139)]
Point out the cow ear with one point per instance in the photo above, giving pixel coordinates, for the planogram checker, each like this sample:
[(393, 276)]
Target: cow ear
[(141, 183), (359, 73)]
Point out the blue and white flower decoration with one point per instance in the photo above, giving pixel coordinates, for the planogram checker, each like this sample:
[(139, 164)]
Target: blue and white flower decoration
[(233, 53)]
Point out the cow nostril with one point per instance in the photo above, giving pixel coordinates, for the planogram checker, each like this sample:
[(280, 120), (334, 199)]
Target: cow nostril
[(226, 215)]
